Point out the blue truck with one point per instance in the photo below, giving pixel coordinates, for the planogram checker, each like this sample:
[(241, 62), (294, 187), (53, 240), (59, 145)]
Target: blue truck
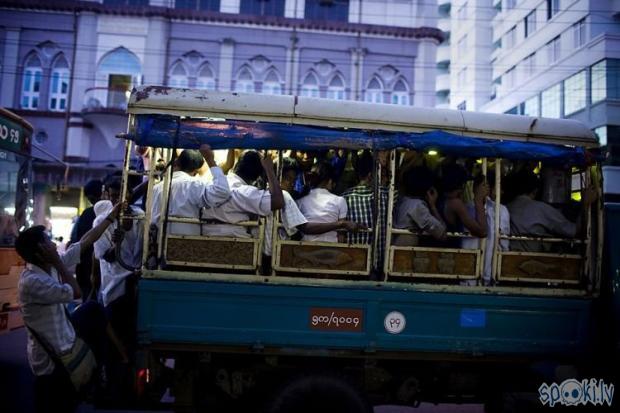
[(340, 327)]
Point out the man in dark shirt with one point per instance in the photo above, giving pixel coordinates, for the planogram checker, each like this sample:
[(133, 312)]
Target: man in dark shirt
[(92, 191)]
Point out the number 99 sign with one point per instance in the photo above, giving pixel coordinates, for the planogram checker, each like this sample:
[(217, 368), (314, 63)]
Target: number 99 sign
[(394, 322)]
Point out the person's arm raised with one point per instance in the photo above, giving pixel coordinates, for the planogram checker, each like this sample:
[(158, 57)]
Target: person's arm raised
[(277, 198), (219, 191), (478, 226), (93, 235)]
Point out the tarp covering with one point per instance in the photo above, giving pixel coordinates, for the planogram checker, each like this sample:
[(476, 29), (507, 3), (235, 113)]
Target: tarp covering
[(168, 132)]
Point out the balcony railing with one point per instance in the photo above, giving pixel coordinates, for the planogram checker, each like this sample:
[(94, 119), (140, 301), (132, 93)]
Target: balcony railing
[(105, 99)]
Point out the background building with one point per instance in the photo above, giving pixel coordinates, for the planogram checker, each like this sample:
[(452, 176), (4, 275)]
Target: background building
[(549, 58), (68, 66), (444, 55)]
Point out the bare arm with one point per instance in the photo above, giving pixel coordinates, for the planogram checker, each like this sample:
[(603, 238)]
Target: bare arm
[(95, 233), (277, 199), (217, 192), (230, 161), (316, 228), (478, 226)]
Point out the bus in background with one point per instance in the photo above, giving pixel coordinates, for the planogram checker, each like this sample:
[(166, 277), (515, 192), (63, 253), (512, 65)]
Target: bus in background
[(15, 208)]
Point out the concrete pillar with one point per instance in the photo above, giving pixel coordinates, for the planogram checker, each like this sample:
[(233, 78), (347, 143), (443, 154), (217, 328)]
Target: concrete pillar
[(8, 87), (77, 145), (292, 57), (227, 54), (78, 140), (154, 68), (424, 74), (85, 65), (357, 73), (288, 71), (295, 80)]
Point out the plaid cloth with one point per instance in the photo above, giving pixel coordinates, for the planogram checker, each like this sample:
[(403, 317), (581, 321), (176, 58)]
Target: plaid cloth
[(360, 200)]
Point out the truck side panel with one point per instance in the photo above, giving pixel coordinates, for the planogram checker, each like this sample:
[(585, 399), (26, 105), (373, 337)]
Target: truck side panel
[(323, 318)]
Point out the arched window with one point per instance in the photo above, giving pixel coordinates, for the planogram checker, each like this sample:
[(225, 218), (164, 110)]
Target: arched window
[(374, 91), (310, 86), (245, 82), (120, 60), (31, 86), (400, 94), (335, 90), (120, 70), (178, 76), (205, 79), (59, 85), (272, 84)]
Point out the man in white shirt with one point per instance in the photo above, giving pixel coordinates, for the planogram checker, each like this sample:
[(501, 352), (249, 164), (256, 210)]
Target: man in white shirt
[(45, 286), (321, 206), (112, 273), (117, 290), (188, 194), (293, 221), (246, 201)]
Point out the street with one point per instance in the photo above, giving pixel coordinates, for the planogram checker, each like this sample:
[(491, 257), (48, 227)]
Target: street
[(16, 384)]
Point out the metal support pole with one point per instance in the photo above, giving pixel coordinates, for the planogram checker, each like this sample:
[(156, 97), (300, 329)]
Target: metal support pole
[(388, 233), (495, 262)]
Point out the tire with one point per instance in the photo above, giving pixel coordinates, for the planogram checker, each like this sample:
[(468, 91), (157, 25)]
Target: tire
[(324, 394)]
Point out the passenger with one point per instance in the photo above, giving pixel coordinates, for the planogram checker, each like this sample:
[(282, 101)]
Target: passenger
[(45, 286), (289, 170), (535, 218), (294, 223), (320, 205), (454, 211), (117, 289), (504, 227), (246, 201), (361, 204), (189, 194), (417, 210), (291, 177)]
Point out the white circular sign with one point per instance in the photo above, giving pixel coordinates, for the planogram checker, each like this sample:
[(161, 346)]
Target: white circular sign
[(394, 322)]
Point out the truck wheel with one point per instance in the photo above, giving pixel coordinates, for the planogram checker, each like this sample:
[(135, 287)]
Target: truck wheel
[(323, 394)]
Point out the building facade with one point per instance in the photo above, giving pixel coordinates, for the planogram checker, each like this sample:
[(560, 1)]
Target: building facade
[(68, 66), (549, 58), (444, 55), (559, 59)]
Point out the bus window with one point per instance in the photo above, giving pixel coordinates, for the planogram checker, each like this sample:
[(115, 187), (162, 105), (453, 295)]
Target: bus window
[(9, 171)]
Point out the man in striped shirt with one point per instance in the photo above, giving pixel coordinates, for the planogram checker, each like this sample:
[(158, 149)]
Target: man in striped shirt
[(45, 287)]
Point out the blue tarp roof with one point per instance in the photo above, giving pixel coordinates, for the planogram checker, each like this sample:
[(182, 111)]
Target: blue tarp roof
[(161, 131)]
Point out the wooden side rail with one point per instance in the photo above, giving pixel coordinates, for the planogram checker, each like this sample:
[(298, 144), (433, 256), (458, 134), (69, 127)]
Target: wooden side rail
[(322, 258), (538, 267), (425, 262)]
